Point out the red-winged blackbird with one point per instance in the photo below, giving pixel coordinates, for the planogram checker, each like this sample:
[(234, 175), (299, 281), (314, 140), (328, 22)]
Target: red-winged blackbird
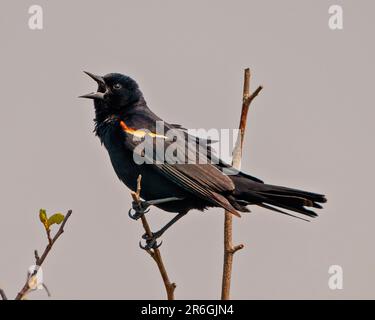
[(122, 117)]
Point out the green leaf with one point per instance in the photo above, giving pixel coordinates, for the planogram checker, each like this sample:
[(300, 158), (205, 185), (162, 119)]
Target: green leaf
[(56, 218), (43, 216)]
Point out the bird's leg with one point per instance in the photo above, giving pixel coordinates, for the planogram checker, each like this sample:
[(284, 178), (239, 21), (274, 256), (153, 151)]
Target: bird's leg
[(142, 207), (151, 242)]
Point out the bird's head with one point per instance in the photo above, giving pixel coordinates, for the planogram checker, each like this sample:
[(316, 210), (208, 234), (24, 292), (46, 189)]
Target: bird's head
[(115, 92)]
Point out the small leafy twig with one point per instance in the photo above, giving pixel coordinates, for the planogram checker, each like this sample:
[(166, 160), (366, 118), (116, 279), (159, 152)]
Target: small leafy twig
[(154, 253), (229, 248), (47, 222)]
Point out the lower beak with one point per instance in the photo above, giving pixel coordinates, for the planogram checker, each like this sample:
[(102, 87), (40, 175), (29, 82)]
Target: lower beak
[(93, 95)]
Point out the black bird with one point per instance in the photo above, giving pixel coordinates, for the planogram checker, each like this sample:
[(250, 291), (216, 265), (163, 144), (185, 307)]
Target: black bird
[(123, 120)]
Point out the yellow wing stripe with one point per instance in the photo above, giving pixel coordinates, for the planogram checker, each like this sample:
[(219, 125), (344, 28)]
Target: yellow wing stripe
[(139, 133)]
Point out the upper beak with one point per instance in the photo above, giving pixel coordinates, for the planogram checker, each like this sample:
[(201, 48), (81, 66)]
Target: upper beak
[(100, 82), (98, 79)]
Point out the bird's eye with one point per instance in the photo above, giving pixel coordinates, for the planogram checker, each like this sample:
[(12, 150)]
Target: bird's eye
[(117, 86)]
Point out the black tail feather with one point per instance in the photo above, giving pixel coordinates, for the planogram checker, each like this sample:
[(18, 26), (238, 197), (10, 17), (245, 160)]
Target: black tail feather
[(280, 211), (315, 197), (274, 197)]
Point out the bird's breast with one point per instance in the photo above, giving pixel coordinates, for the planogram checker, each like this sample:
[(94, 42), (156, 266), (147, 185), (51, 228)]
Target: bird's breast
[(122, 160)]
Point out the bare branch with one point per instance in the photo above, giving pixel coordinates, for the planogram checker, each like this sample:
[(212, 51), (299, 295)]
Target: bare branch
[(253, 95), (39, 260), (47, 290), (48, 231), (3, 295), (229, 249), (36, 255), (236, 248), (154, 253)]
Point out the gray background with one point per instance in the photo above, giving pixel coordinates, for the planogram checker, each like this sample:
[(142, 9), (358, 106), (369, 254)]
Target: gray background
[(311, 127)]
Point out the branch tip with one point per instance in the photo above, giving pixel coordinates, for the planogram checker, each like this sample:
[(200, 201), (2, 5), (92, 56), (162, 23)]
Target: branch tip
[(36, 255), (234, 249)]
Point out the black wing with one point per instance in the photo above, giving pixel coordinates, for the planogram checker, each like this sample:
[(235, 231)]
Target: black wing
[(202, 179)]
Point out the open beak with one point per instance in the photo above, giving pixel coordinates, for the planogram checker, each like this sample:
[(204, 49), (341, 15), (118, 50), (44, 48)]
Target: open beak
[(95, 95)]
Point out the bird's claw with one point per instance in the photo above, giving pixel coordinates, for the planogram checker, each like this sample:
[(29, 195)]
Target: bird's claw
[(150, 244), (155, 235), (139, 210), (151, 241), (142, 207), (137, 214)]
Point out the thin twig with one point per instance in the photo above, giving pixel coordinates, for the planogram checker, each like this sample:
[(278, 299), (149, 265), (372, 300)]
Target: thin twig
[(3, 295), (154, 253), (39, 260), (46, 289), (36, 255), (48, 230), (229, 248)]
